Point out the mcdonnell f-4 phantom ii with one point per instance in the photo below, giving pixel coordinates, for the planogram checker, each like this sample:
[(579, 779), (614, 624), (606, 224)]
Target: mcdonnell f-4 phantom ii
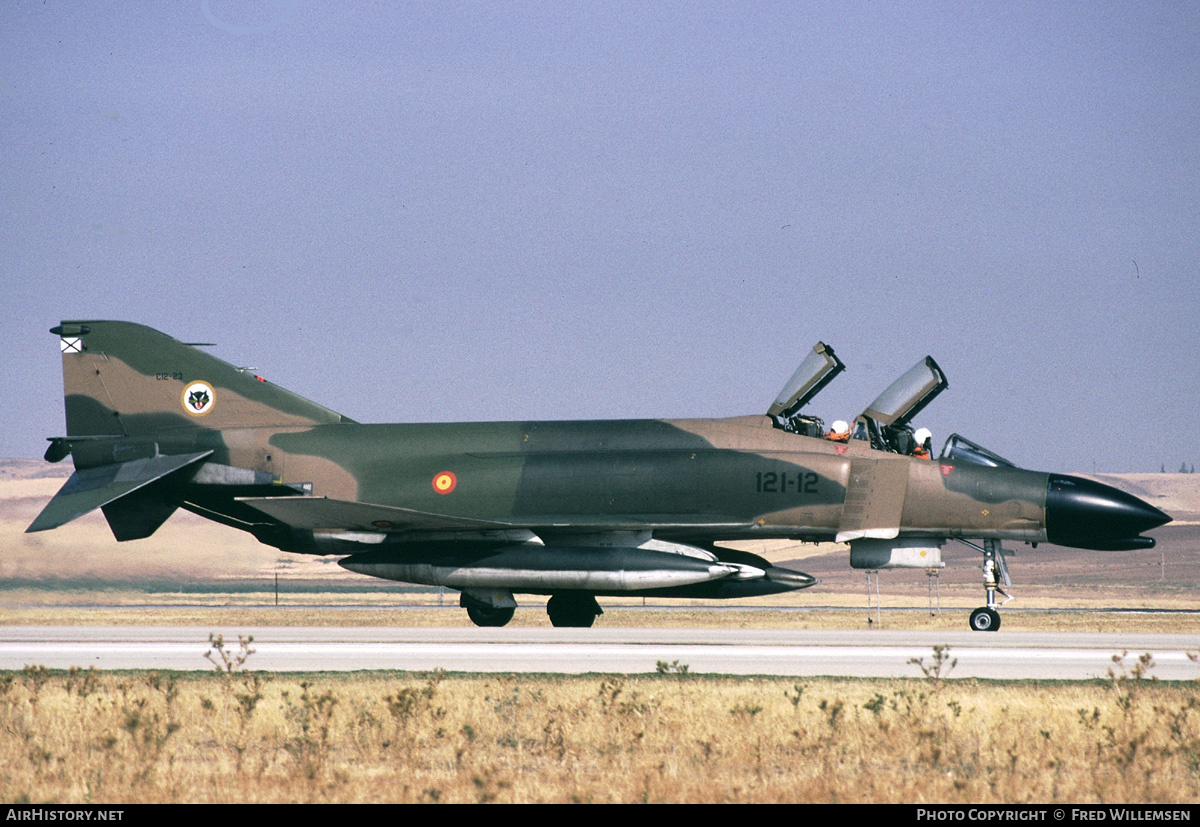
[(573, 510)]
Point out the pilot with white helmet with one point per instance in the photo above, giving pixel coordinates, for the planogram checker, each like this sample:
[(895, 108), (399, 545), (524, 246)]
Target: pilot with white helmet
[(924, 439), (839, 431)]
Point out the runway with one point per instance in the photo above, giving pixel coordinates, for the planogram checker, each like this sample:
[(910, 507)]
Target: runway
[(782, 652)]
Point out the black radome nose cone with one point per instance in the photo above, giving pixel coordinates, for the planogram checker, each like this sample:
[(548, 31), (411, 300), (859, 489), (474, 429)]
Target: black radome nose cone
[(1086, 514)]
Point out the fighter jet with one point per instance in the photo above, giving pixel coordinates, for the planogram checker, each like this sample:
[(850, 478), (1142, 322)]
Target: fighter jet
[(573, 510)]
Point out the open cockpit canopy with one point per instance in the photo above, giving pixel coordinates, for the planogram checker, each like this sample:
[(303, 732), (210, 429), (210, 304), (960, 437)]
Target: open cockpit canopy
[(885, 422), (908, 395), (816, 371)]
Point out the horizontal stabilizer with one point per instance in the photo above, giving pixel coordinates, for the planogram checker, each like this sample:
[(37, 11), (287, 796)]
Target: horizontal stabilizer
[(315, 513), (91, 488)]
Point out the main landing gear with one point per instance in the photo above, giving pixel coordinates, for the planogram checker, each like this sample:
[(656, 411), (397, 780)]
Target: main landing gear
[(995, 572), (492, 608), (488, 615), (487, 609), (572, 609)]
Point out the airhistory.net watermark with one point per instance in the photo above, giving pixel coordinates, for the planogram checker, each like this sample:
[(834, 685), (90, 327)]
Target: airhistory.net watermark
[(53, 814)]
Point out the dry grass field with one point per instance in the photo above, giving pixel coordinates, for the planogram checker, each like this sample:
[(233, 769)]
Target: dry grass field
[(242, 736)]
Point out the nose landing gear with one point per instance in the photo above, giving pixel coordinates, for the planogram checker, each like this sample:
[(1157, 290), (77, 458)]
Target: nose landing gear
[(995, 572)]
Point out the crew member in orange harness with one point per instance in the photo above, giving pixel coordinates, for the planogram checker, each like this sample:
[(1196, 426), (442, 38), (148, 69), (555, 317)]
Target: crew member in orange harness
[(839, 431), (924, 440)]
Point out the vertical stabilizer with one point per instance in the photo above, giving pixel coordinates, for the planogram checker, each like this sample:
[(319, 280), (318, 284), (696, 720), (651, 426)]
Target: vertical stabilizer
[(125, 379)]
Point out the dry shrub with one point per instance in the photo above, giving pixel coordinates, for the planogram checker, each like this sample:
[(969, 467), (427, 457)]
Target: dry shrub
[(675, 736)]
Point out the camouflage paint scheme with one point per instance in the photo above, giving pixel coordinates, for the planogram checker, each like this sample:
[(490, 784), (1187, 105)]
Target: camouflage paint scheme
[(571, 509)]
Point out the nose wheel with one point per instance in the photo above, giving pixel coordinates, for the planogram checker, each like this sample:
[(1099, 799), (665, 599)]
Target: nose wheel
[(985, 620)]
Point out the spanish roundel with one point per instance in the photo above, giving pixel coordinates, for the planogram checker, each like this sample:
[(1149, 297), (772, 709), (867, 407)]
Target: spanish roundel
[(444, 482)]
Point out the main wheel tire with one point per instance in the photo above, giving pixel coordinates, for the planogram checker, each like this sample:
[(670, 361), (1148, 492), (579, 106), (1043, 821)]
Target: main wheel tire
[(483, 615), (572, 611), (985, 620)]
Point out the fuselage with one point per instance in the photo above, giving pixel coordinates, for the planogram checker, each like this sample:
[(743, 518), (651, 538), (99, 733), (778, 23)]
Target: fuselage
[(711, 479)]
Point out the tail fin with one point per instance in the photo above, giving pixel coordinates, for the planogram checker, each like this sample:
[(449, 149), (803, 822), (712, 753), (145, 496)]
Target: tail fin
[(129, 388), (125, 379)]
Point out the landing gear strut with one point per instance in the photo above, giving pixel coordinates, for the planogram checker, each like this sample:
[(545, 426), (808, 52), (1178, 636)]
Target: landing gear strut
[(573, 610), (995, 572)]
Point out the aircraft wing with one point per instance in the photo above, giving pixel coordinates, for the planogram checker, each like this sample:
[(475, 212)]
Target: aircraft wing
[(316, 513), (323, 513)]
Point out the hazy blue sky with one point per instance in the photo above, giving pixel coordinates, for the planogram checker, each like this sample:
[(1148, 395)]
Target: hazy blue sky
[(444, 211)]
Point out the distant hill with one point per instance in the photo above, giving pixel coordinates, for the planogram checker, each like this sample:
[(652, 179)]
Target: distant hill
[(186, 549), (1176, 494)]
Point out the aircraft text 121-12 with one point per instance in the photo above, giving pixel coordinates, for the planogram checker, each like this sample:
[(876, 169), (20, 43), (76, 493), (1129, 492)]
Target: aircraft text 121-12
[(769, 482)]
